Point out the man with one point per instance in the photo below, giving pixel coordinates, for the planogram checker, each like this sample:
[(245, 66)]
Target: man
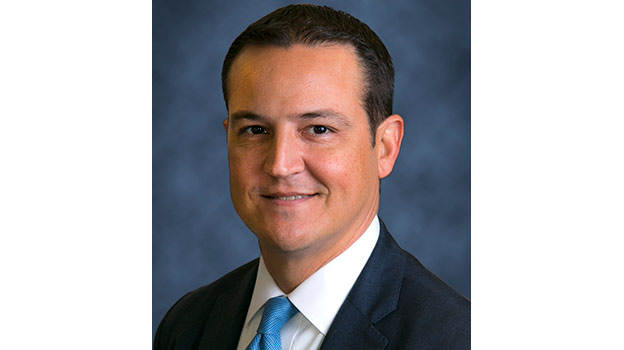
[(310, 133)]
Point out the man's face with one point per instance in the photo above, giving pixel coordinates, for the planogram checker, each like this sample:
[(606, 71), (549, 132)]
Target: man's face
[(303, 172)]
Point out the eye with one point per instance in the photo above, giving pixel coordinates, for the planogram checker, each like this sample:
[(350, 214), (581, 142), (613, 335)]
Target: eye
[(319, 129), (254, 130)]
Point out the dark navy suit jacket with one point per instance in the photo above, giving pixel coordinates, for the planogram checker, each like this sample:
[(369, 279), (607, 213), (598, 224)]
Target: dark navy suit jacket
[(396, 303)]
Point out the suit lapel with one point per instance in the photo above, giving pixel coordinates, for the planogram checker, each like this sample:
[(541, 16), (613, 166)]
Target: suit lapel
[(352, 330), (374, 295), (224, 325)]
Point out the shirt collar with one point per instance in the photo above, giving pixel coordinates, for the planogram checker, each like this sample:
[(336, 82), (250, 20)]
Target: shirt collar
[(265, 289), (320, 296)]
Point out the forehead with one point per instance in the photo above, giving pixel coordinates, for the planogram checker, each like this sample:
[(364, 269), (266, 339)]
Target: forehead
[(295, 78)]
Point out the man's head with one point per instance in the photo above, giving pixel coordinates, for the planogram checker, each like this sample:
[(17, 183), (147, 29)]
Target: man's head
[(312, 25), (303, 174)]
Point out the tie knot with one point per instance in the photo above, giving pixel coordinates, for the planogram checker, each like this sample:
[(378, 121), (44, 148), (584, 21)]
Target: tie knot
[(277, 311)]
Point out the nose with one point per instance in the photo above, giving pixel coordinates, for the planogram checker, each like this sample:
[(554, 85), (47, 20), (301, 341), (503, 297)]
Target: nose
[(284, 157)]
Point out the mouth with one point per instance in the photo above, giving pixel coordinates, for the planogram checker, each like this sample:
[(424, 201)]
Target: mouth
[(288, 196)]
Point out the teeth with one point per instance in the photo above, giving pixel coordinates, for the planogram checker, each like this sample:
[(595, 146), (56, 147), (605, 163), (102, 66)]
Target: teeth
[(291, 198)]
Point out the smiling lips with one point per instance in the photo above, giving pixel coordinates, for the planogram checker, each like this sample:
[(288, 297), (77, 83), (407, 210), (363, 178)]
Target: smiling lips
[(288, 197)]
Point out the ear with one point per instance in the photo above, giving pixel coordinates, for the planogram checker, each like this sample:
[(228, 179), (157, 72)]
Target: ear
[(388, 144), (225, 124)]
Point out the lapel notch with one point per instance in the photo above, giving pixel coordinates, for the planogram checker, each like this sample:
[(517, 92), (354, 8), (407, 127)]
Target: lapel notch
[(352, 330)]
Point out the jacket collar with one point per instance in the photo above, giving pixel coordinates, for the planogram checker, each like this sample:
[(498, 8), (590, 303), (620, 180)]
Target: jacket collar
[(374, 295)]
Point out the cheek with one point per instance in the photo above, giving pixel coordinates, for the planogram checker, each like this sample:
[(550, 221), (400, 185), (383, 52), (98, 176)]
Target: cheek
[(241, 175), (348, 171)]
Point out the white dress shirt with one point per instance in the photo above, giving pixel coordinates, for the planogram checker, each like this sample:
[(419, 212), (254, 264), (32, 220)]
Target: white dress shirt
[(318, 298)]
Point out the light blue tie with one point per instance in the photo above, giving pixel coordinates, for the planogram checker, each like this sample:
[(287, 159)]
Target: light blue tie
[(277, 311)]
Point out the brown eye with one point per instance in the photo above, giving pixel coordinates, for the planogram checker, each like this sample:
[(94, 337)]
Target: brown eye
[(255, 130), (319, 129)]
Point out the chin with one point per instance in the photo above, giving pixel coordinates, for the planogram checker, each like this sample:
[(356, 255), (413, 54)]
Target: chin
[(286, 239)]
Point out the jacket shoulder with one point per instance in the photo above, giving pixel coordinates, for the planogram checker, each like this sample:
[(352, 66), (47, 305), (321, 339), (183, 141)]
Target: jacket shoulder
[(208, 293), (436, 315), (183, 324)]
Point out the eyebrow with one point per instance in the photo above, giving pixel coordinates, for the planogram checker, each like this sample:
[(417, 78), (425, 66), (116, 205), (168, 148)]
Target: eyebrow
[(326, 114), (318, 114), (235, 117)]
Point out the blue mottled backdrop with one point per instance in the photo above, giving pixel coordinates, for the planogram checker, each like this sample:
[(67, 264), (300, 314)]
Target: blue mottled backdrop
[(425, 202)]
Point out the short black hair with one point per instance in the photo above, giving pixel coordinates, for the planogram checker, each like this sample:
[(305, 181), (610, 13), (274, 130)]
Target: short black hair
[(314, 25)]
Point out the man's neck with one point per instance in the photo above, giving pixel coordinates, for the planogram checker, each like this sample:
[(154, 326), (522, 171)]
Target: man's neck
[(290, 269)]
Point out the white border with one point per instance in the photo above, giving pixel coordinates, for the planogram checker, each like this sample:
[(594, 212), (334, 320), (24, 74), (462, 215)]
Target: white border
[(547, 174), (75, 184)]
